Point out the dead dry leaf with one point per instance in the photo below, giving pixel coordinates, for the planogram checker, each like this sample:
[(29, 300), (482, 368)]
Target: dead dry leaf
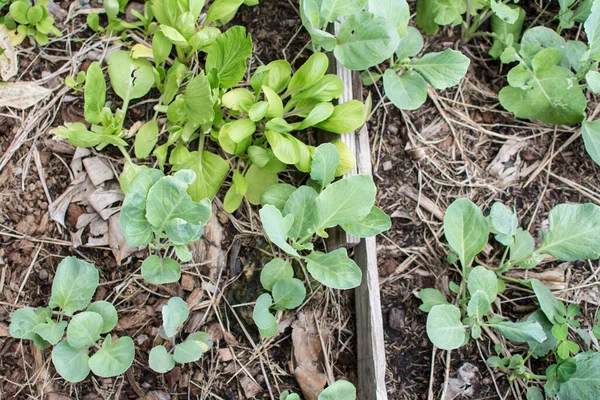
[(22, 95), (311, 383), (8, 59), (251, 388), (308, 354)]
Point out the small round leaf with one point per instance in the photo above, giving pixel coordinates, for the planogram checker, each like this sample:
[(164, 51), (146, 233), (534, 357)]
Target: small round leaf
[(84, 329), (113, 358), (108, 312), (70, 363), (160, 360)]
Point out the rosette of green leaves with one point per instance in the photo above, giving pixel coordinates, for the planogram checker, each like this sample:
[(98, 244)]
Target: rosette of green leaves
[(27, 19), (260, 125), (112, 8), (158, 211), (73, 287), (292, 218), (174, 314)]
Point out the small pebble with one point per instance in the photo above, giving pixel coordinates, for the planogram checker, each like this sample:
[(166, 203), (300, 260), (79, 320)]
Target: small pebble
[(393, 129), (396, 319), (387, 165), (43, 274)]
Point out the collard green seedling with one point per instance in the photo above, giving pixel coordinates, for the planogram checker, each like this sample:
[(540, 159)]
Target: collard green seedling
[(174, 314), (292, 217), (573, 234), (73, 287), (338, 390), (27, 19), (158, 211)]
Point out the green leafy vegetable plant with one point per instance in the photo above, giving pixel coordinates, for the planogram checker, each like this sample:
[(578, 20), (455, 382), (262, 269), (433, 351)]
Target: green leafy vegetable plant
[(338, 390), (292, 217), (573, 234), (73, 287), (159, 212), (27, 19), (174, 314)]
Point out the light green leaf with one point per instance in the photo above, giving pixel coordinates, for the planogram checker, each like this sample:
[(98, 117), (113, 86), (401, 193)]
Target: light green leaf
[(239, 129), (311, 17), (334, 269), (113, 358), (277, 195), (277, 227), (174, 314), (347, 158), (288, 293), (373, 224), (52, 332), (145, 139), (18, 11), (536, 348), (284, 146), (331, 10), (521, 331), (523, 246), (275, 103), (339, 390), (258, 111), (592, 30), (238, 99), (183, 253), (442, 70), (444, 328), (466, 229), (548, 303), (345, 201), (274, 271), (108, 312), (130, 78), (222, 10), (301, 205), (346, 117), (24, 320), (574, 232), (94, 94), (327, 88), (84, 329), (593, 80), (258, 181), (410, 44), (160, 360), (324, 164), (590, 130), (74, 285), (174, 36), (482, 279), (407, 91), (585, 382), (309, 73), (228, 56), (158, 271), (365, 40), (430, 298), (431, 13), (198, 100), (275, 75), (192, 348), (478, 306), (210, 173), (319, 113), (161, 47), (504, 11), (395, 11), (70, 363), (264, 320)]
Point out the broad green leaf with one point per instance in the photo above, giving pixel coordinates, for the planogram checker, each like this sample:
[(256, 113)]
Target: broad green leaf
[(228, 56), (274, 271), (345, 201), (548, 303), (52, 332), (309, 73), (504, 11), (324, 164), (136, 229), (161, 47), (593, 80), (183, 253), (70, 363), (258, 111), (275, 75), (192, 348), (301, 205), (478, 306), (325, 89), (145, 139), (275, 103), (264, 320), (574, 232), (258, 180), (339, 390), (319, 113), (112, 8), (84, 329), (521, 331), (523, 246), (238, 99), (175, 77), (346, 117), (74, 285), (277, 195), (198, 100), (158, 270), (233, 199), (277, 227), (430, 298), (590, 131), (504, 223), (18, 11), (407, 91), (313, 21), (113, 358), (239, 129), (94, 94), (221, 10), (24, 320), (347, 158), (395, 11), (365, 40), (481, 278), (585, 382), (442, 70), (174, 36), (552, 96), (334, 269), (168, 199), (534, 393), (542, 349), (466, 230), (160, 360), (174, 314), (444, 328), (592, 30), (210, 171), (376, 222), (410, 44), (431, 13), (108, 312), (130, 78), (331, 10), (288, 293)]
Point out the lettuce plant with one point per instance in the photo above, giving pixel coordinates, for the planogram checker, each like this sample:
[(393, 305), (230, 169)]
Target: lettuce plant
[(174, 314), (158, 212), (573, 234), (27, 19), (73, 287), (292, 218)]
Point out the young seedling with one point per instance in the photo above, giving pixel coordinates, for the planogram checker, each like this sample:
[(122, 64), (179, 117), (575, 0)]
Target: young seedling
[(573, 234), (73, 287), (174, 314), (292, 217), (158, 211), (338, 390), (27, 19)]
